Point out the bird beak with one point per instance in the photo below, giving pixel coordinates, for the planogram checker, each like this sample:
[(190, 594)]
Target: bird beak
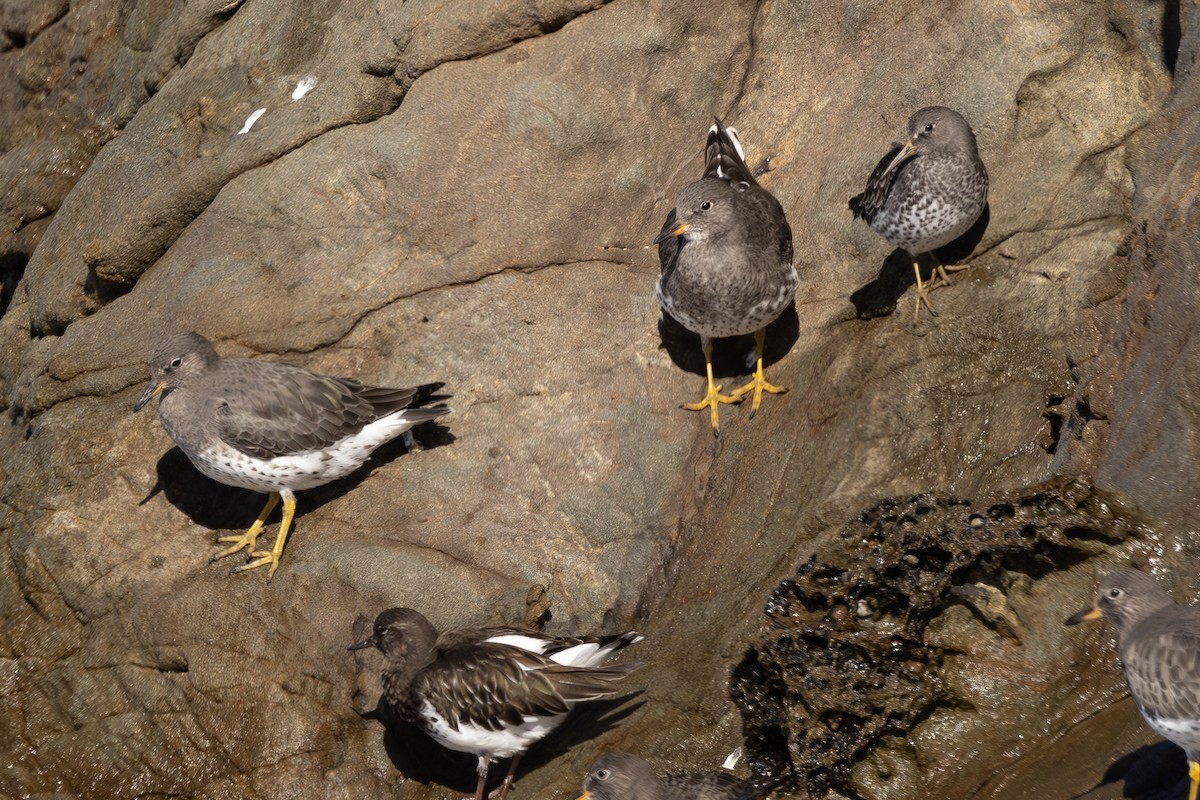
[(583, 796), (1082, 615), (678, 230), (152, 391), (908, 151), (365, 643)]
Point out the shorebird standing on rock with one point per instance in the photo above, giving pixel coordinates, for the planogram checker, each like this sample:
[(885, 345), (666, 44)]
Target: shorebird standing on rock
[(272, 427), (492, 692), (927, 192), (726, 257), (621, 776), (1159, 645)]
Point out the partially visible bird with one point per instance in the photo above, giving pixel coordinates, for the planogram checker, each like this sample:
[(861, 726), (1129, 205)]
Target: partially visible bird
[(1159, 645), (726, 257), (927, 192), (621, 776), (272, 427), (493, 691)]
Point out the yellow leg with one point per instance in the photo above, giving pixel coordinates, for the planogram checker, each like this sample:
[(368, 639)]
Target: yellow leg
[(262, 557), (248, 538), (758, 383), (713, 397), (922, 293), (1194, 774), (943, 269)]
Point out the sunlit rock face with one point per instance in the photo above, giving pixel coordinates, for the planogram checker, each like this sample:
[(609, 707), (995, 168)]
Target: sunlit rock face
[(407, 192)]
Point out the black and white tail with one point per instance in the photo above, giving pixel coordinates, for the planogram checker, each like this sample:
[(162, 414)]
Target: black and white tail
[(724, 156)]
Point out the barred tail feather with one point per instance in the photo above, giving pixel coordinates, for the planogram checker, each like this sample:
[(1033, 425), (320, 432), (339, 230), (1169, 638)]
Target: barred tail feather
[(724, 155)]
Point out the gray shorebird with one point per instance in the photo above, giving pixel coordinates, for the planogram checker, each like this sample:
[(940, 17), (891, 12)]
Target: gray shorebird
[(726, 257), (1159, 645), (492, 692), (621, 776), (272, 427), (927, 192)]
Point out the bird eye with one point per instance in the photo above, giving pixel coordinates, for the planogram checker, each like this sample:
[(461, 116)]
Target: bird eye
[(602, 774), (175, 362), (929, 128), (1114, 593), (705, 206)]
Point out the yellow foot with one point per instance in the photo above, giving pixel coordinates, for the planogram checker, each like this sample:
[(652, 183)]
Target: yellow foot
[(711, 400), (758, 384), (246, 540), (942, 274), (261, 559), (923, 299), (922, 294)]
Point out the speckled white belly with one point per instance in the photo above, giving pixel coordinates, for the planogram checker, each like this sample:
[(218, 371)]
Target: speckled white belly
[(297, 471)]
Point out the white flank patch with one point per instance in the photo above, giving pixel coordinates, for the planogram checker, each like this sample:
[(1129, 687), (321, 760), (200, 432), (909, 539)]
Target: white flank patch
[(587, 654), (737, 143), (504, 743), (250, 120), (732, 759), (306, 85), (530, 644)]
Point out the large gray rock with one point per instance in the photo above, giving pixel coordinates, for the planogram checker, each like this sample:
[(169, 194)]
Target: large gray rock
[(466, 194)]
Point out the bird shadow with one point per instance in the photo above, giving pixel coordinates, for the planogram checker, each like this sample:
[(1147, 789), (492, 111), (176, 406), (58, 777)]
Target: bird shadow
[(215, 506), (419, 758), (1172, 35), (1153, 772), (880, 296), (732, 355)]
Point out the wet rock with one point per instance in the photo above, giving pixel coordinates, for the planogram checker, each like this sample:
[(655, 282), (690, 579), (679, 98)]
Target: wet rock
[(822, 688)]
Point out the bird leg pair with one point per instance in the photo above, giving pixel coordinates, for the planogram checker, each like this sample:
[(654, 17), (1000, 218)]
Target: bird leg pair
[(248, 539), (924, 288), (502, 790), (758, 384)]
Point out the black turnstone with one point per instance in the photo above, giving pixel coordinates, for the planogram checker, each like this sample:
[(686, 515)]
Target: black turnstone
[(927, 192), (1159, 645), (272, 427), (621, 776), (726, 257), (492, 692)]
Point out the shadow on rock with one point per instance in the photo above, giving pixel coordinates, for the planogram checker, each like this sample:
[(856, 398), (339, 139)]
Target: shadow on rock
[(732, 355), (879, 297), (1154, 772), (419, 758), (219, 507)]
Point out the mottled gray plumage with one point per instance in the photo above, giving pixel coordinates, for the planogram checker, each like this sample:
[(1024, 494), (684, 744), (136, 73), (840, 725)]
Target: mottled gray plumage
[(489, 691), (929, 191), (726, 256), (272, 427), (621, 776), (1159, 644)]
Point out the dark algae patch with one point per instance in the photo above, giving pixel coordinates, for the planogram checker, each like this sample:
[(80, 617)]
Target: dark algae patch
[(844, 662)]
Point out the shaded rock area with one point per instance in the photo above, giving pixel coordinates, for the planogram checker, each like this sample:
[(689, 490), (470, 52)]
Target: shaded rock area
[(863, 644), (465, 192)]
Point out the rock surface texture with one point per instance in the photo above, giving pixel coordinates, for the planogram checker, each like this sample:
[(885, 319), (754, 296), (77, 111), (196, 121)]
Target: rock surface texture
[(467, 192)]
